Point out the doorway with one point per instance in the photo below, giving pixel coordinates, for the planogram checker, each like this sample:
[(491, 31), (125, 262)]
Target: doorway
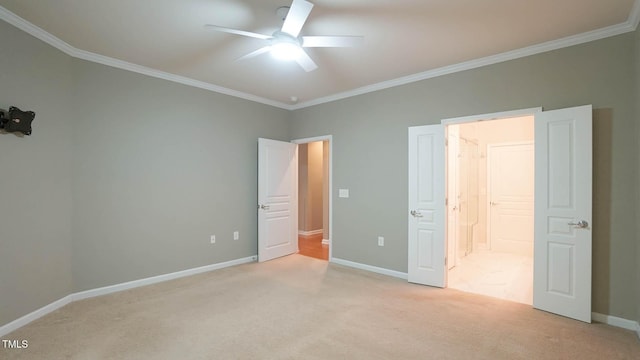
[(562, 210), (490, 187), (314, 198)]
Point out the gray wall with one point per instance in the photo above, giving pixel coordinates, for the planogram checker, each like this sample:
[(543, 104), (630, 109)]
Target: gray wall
[(370, 152), (158, 168), (124, 177), (35, 176), (148, 169), (637, 101)]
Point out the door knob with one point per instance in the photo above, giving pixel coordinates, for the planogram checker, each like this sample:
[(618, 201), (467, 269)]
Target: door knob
[(416, 213), (581, 224), (494, 203), (263, 207)]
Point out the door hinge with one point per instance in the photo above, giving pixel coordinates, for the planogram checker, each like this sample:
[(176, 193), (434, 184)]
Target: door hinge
[(446, 260)]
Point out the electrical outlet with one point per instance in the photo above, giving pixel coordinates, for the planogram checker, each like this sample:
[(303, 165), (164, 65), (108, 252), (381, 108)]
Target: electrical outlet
[(380, 241), (213, 239), (236, 235)]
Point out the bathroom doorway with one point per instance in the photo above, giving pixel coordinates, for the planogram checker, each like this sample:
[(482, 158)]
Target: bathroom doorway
[(490, 182)]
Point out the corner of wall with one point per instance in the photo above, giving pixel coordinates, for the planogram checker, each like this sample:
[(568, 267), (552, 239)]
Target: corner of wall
[(637, 101), (35, 213)]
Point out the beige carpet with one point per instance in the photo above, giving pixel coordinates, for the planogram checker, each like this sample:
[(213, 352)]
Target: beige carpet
[(302, 308)]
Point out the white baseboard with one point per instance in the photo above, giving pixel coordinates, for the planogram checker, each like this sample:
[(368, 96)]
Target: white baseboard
[(597, 317), (371, 268), (616, 321), (310, 232), (160, 278), (326, 242), (20, 322)]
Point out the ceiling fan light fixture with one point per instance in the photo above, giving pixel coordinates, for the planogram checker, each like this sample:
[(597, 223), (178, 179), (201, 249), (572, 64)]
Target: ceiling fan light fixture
[(286, 51), (287, 44)]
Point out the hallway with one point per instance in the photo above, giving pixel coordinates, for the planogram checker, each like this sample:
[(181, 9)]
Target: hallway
[(312, 246)]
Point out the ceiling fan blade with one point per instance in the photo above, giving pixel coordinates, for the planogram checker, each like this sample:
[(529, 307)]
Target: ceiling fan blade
[(306, 62), (298, 14), (238, 32), (332, 41), (262, 50)]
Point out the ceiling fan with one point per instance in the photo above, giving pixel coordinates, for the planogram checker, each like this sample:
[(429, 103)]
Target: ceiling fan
[(286, 43)]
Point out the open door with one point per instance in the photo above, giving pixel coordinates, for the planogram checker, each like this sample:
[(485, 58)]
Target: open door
[(277, 199), (562, 210), (427, 248), (562, 245)]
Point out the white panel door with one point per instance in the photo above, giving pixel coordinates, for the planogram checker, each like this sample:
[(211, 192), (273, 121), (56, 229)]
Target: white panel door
[(427, 248), (511, 184), (562, 245), (277, 199)]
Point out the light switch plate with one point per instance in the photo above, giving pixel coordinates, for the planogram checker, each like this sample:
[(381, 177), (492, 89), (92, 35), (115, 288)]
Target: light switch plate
[(343, 193)]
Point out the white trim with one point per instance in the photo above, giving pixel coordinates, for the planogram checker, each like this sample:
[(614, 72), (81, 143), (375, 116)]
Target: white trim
[(568, 41), (371, 268), (119, 64), (597, 317), (326, 242), (634, 16), (492, 116), (59, 44), (309, 233), (615, 321), (20, 322), (24, 320), (36, 31), (625, 27), (329, 139), (160, 278)]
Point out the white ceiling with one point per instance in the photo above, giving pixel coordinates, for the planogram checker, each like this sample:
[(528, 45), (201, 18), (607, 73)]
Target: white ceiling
[(405, 40)]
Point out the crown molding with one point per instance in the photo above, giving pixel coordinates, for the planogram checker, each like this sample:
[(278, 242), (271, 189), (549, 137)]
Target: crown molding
[(598, 34), (124, 65), (61, 45), (634, 15), (628, 26), (35, 31)]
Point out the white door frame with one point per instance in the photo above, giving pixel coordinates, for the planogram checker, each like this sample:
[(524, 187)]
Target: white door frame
[(329, 139), (492, 116), (452, 149)]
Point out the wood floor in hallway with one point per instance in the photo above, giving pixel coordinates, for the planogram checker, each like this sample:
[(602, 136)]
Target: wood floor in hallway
[(312, 246)]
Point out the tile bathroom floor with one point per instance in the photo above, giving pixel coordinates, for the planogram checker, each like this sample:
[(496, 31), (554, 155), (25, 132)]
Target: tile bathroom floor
[(499, 275)]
